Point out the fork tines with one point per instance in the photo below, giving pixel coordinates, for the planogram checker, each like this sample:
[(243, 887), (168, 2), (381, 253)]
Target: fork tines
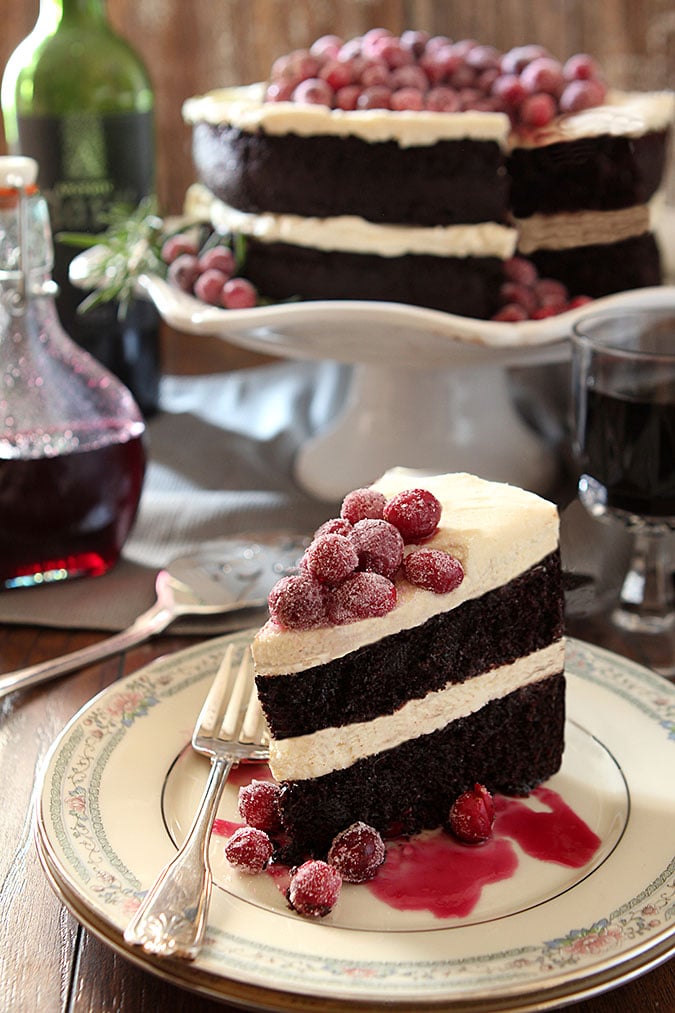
[(231, 710)]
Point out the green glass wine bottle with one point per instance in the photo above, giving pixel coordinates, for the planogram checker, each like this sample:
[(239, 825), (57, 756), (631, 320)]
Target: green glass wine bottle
[(77, 98)]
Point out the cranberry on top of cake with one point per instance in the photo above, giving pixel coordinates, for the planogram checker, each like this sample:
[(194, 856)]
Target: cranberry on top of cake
[(417, 72), (349, 570)]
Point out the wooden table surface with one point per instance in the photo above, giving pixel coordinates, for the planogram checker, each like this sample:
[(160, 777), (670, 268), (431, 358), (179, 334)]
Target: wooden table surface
[(48, 962)]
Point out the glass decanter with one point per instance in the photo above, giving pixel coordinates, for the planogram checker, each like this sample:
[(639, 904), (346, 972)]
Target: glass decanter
[(72, 454)]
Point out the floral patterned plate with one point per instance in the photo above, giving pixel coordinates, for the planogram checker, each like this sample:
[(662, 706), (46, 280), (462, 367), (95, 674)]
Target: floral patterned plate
[(120, 784)]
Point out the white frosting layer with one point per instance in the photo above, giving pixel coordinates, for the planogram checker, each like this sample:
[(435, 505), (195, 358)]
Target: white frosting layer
[(497, 531), (244, 108), (624, 114), (627, 114), (352, 234), (332, 749), (586, 228)]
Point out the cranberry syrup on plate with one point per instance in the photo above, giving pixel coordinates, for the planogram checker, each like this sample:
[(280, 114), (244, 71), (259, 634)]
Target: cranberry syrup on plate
[(435, 872)]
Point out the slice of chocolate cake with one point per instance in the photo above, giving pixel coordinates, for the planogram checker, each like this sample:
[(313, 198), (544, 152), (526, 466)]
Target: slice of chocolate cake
[(388, 695)]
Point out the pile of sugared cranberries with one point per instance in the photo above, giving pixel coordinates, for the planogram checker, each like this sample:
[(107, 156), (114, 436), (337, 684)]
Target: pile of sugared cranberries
[(526, 296), (210, 274), (250, 847), (380, 70), (348, 571)]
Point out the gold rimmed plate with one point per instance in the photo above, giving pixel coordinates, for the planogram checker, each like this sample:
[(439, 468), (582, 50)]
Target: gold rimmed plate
[(119, 786)]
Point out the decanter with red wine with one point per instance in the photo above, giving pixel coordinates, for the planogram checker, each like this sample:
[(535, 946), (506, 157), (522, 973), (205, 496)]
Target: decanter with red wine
[(72, 455)]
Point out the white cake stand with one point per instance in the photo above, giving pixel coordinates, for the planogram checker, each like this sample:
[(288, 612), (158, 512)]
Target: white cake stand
[(429, 390)]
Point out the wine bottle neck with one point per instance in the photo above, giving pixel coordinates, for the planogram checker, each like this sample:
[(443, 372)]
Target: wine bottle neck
[(69, 11)]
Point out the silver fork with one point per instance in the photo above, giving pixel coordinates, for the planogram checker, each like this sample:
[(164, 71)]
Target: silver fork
[(230, 729)]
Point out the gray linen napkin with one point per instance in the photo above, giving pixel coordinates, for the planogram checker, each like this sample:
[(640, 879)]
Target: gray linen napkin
[(221, 454)]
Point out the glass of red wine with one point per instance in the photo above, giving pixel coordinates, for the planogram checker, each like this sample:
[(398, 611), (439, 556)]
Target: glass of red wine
[(623, 397)]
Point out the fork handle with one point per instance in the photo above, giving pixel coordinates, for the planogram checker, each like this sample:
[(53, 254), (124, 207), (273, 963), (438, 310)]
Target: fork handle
[(172, 918)]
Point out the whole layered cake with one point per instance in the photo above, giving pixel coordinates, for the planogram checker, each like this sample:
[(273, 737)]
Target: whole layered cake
[(412, 169), (418, 651)]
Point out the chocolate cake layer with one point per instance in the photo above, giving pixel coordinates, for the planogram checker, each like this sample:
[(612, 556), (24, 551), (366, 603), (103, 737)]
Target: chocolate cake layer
[(448, 183), (510, 745), (599, 270), (468, 286), (483, 633), (587, 174)]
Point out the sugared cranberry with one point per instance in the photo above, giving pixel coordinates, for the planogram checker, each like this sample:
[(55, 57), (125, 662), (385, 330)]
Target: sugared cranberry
[(409, 77), (346, 98), (250, 850), (209, 286), (334, 526), (511, 313), (219, 257), (522, 295), (361, 504), (259, 805), (407, 99), (415, 41), (508, 88), (433, 570), (326, 47), (472, 815), (184, 271), (543, 75), (297, 603), (314, 889), (331, 558), (581, 67), (415, 512), (337, 73), (442, 100), (519, 57), (314, 91), (361, 596), (377, 97), (299, 65), (379, 545), (279, 91), (357, 853), (176, 245), (520, 270), (579, 300), (373, 74), (238, 294), (544, 312), (483, 58), (537, 110), (580, 95)]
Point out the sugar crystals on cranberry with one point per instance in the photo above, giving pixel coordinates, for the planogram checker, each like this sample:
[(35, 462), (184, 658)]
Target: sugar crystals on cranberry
[(379, 546), (361, 504), (314, 888), (259, 804), (364, 595), (357, 852), (249, 850), (331, 558), (472, 815), (297, 602), (433, 570), (414, 512)]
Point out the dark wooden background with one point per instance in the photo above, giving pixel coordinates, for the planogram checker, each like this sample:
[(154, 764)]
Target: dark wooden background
[(191, 47)]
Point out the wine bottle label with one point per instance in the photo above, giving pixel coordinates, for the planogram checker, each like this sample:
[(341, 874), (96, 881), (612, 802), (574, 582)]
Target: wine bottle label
[(88, 162)]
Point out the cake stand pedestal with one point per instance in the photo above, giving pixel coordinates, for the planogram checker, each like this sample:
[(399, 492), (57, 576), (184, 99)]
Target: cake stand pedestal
[(429, 389), (432, 420)]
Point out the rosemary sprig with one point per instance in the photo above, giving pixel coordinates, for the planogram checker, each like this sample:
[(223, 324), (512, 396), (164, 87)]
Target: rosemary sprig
[(130, 246)]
